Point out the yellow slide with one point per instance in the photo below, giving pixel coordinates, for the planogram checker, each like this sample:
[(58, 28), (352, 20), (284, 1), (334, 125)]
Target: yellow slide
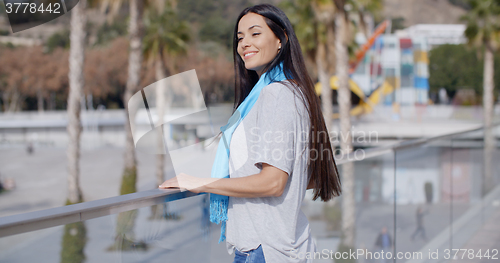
[(366, 103)]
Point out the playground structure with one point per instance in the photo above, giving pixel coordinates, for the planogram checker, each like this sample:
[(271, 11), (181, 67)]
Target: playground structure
[(387, 69), (365, 103)]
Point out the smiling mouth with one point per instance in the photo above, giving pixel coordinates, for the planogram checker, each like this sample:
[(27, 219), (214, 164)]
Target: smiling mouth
[(249, 55)]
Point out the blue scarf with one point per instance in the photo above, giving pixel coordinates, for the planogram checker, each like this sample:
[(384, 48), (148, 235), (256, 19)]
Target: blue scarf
[(220, 168)]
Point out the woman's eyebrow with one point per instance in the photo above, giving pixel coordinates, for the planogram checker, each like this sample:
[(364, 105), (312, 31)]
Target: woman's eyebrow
[(239, 32)]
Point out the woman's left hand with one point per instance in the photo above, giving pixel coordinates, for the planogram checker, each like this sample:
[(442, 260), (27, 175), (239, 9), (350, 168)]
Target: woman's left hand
[(184, 182)]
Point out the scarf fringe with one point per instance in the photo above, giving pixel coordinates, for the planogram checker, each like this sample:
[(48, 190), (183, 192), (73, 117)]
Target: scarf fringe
[(222, 232), (218, 212), (218, 208)]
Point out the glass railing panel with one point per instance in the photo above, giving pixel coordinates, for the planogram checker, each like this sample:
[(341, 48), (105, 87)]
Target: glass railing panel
[(476, 193), (38, 180), (388, 191), (324, 220), (467, 187), (181, 234), (35, 246), (374, 194), (372, 206), (422, 208), (496, 154)]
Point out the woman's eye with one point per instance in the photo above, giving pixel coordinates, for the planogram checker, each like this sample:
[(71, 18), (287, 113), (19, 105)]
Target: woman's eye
[(254, 34)]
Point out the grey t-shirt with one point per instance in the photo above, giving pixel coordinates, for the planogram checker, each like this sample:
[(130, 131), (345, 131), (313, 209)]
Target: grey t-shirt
[(275, 132)]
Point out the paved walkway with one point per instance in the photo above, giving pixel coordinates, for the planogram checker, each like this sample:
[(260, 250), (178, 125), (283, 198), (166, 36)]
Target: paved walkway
[(41, 184), (487, 238)]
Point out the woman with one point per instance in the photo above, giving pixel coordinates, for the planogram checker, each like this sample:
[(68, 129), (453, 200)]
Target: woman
[(278, 146)]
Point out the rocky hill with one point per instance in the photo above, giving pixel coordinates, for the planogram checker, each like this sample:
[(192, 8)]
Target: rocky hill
[(424, 11)]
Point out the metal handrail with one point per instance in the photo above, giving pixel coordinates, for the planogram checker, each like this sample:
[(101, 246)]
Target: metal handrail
[(26, 222), (381, 150)]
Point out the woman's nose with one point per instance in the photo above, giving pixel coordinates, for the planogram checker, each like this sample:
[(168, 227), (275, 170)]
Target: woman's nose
[(244, 43)]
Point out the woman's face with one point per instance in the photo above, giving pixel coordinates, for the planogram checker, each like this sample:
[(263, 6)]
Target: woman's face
[(257, 44)]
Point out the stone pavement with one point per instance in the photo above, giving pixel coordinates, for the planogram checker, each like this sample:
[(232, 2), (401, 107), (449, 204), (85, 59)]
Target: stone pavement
[(41, 179), (41, 184), (169, 241), (487, 238)]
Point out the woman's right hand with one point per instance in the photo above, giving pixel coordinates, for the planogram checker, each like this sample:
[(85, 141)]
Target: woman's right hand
[(185, 182)]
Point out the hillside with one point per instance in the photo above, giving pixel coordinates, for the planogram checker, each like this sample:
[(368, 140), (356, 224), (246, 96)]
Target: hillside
[(424, 11), (215, 18)]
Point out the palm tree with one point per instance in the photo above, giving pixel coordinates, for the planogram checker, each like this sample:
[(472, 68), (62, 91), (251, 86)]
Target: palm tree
[(75, 234), (129, 176), (313, 25), (327, 21), (483, 31), (364, 8), (324, 13), (126, 220), (76, 82), (300, 13), (344, 102), (165, 35)]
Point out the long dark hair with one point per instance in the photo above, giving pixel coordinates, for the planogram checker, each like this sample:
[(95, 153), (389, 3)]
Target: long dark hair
[(322, 172)]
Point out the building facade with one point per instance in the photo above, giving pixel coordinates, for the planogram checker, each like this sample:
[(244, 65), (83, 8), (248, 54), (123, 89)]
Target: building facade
[(402, 62)]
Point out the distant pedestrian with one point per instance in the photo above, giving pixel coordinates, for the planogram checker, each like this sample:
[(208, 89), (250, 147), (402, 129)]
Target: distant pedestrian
[(443, 96), (383, 243), (9, 184), (30, 148), (420, 224)]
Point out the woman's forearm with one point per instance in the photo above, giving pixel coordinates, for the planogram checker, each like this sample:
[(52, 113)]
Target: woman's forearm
[(256, 185), (270, 181)]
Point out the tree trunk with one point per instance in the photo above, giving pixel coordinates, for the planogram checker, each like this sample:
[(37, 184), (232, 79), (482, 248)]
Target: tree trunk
[(363, 25), (76, 82), (74, 238), (326, 90), (125, 221), (163, 100), (52, 101), (344, 101), (489, 140), (160, 108), (325, 56), (134, 72), (5, 98), (14, 101), (39, 99)]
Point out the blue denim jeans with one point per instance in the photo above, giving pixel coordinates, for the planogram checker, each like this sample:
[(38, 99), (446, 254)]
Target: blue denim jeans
[(252, 256)]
